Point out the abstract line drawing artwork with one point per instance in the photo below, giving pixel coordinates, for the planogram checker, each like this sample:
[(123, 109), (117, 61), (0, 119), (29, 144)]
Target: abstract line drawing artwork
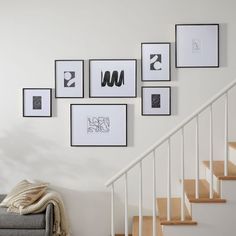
[(37, 102), (156, 100), (155, 62), (69, 79), (196, 45), (112, 79), (98, 124)]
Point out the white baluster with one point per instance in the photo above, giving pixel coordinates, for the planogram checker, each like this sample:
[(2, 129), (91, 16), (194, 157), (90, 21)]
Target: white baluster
[(154, 233), (112, 211), (169, 182), (211, 153), (182, 178), (226, 134), (140, 199), (197, 159), (126, 206)]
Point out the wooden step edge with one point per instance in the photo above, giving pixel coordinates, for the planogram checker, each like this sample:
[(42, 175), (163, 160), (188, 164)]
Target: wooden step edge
[(207, 200), (178, 222), (226, 177), (232, 144), (122, 234)]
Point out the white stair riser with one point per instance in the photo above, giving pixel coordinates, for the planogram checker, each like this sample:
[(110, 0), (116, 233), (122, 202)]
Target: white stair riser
[(232, 155)]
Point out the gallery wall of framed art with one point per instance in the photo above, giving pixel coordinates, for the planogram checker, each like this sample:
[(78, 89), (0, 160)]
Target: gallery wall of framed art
[(106, 124)]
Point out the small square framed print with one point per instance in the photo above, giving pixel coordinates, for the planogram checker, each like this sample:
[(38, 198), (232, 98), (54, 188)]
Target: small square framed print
[(112, 78), (37, 102), (156, 61), (197, 45), (98, 125), (69, 78), (156, 101)]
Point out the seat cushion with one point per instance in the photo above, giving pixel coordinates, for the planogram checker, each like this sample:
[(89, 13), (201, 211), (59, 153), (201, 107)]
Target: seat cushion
[(10, 220)]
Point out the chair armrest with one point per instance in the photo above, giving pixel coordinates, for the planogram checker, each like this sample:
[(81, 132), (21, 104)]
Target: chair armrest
[(49, 220)]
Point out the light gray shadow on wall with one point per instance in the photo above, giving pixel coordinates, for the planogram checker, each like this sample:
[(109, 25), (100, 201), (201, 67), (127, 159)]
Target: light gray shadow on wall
[(174, 101), (174, 70), (54, 104), (130, 125), (86, 79), (223, 45), (139, 75)]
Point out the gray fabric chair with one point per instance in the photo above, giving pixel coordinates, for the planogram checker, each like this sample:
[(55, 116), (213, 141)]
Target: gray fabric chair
[(12, 224)]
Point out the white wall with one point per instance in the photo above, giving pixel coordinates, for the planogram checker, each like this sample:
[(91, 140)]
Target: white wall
[(35, 33)]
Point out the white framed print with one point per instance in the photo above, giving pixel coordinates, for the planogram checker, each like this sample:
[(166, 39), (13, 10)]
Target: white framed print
[(112, 78), (98, 125), (156, 101), (37, 102), (156, 65), (197, 45), (69, 78)]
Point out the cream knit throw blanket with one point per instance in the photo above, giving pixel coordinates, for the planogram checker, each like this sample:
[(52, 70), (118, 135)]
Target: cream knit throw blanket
[(61, 226)]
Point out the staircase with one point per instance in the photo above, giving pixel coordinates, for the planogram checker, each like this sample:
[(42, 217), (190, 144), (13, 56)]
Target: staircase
[(206, 206)]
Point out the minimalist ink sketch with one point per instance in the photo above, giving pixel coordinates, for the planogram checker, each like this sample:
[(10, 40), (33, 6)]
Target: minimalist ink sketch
[(112, 79), (98, 125), (155, 62), (156, 100), (69, 79), (196, 45), (37, 102)]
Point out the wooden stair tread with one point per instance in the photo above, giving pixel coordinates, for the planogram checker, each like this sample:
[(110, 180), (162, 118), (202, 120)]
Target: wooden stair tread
[(218, 170), (189, 188), (147, 226), (232, 145), (122, 234), (175, 212)]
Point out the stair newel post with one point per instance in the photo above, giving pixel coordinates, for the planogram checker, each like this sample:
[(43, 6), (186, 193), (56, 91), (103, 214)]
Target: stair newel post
[(112, 211), (182, 175), (169, 181), (211, 152), (226, 133), (126, 206), (154, 227), (197, 159), (140, 199)]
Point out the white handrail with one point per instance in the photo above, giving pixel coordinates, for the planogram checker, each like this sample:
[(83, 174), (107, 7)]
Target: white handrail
[(166, 137)]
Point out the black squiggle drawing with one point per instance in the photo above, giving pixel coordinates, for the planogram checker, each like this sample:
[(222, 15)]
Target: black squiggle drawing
[(98, 124), (113, 79), (156, 100)]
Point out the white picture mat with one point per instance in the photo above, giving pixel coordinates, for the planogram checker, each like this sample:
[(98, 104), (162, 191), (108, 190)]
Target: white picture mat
[(61, 67), (147, 50), (118, 129), (206, 35), (28, 102), (165, 101), (129, 87)]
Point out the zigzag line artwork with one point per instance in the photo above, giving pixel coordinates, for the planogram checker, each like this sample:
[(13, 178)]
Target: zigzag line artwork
[(111, 80)]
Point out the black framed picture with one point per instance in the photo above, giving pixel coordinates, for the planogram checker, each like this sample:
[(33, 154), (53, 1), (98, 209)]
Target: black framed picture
[(156, 101), (37, 102), (98, 125), (197, 45), (69, 78), (156, 61), (112, 78)]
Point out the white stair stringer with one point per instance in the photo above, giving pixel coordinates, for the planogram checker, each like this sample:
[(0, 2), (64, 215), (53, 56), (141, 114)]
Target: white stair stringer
[(214, 219)]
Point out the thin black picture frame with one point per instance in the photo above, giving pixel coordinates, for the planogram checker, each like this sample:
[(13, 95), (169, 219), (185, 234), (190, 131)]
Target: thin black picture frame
[(169, 44), (106, 104), (142, 95), (136, 86), (218, 45), (55, 76), (23, 102)]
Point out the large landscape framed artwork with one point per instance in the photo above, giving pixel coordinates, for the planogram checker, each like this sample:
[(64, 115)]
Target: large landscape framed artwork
[(98, 125), (112, 78)]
